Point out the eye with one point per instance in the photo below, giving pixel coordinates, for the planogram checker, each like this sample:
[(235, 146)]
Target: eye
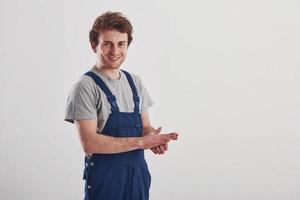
[(106, 44), (122, 44)]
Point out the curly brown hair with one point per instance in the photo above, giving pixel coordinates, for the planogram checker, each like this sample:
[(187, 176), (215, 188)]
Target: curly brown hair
[(109, 21)]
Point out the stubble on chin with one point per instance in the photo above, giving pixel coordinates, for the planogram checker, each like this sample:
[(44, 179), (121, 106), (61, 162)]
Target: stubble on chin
[(106, 65)]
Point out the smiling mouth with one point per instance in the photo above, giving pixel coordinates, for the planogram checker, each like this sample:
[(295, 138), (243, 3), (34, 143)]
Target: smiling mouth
[(113, 58)]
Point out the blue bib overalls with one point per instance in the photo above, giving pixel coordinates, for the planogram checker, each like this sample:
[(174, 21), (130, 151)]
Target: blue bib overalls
[(120, 176)]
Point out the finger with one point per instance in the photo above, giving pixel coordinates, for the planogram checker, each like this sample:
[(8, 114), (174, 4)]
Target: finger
[(154, 150), (165, 147), (173, 136), (158, 150), (162, 150), (167, 137)]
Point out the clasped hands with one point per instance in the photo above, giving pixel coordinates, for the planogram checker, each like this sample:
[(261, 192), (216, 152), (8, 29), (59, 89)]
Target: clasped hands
[(157, 142)]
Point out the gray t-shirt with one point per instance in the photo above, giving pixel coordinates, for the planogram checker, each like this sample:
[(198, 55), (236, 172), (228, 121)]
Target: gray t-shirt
[(87, 101)]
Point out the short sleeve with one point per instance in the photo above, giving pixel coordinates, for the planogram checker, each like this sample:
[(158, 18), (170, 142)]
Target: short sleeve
[(80, 104), (146, 100)]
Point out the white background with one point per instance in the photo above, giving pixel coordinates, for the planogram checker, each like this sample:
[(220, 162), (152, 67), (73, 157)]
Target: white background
[(225, 74)]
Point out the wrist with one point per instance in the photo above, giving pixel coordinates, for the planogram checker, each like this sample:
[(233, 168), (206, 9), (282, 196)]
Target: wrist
[(140, 143)]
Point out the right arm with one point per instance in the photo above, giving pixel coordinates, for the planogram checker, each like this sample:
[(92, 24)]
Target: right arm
[(92, 142)]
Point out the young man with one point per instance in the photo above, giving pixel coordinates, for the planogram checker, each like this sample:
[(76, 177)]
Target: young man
[(109, 107)]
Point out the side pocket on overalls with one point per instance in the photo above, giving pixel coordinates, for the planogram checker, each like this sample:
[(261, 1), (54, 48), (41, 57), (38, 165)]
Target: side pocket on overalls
[(86, 178)]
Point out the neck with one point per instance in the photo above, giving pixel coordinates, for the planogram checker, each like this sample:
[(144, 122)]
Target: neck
[(109, 72)]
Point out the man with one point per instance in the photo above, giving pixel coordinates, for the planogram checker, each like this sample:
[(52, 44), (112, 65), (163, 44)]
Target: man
[(109, 107)]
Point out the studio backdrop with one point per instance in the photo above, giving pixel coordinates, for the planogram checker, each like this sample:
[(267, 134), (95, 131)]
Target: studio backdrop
[(224, 74)]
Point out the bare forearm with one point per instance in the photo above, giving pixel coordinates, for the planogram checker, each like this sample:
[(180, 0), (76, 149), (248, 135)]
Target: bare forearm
[(109, 145), (100, 143)]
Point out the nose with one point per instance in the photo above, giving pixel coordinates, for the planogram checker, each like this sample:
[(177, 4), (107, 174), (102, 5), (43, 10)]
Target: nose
[(114, 49)]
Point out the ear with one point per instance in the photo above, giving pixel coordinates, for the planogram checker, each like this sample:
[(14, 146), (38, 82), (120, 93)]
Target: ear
[(94, 46)]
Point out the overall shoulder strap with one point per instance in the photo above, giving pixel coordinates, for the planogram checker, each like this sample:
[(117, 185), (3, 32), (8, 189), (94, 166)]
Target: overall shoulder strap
[(110, 97), (136, 98)]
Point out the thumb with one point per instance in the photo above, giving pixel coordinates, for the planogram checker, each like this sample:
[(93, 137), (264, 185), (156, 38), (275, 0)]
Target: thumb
[(157, 131)]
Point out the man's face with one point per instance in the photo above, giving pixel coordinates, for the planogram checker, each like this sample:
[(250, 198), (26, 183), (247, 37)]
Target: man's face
[(112, 48)]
